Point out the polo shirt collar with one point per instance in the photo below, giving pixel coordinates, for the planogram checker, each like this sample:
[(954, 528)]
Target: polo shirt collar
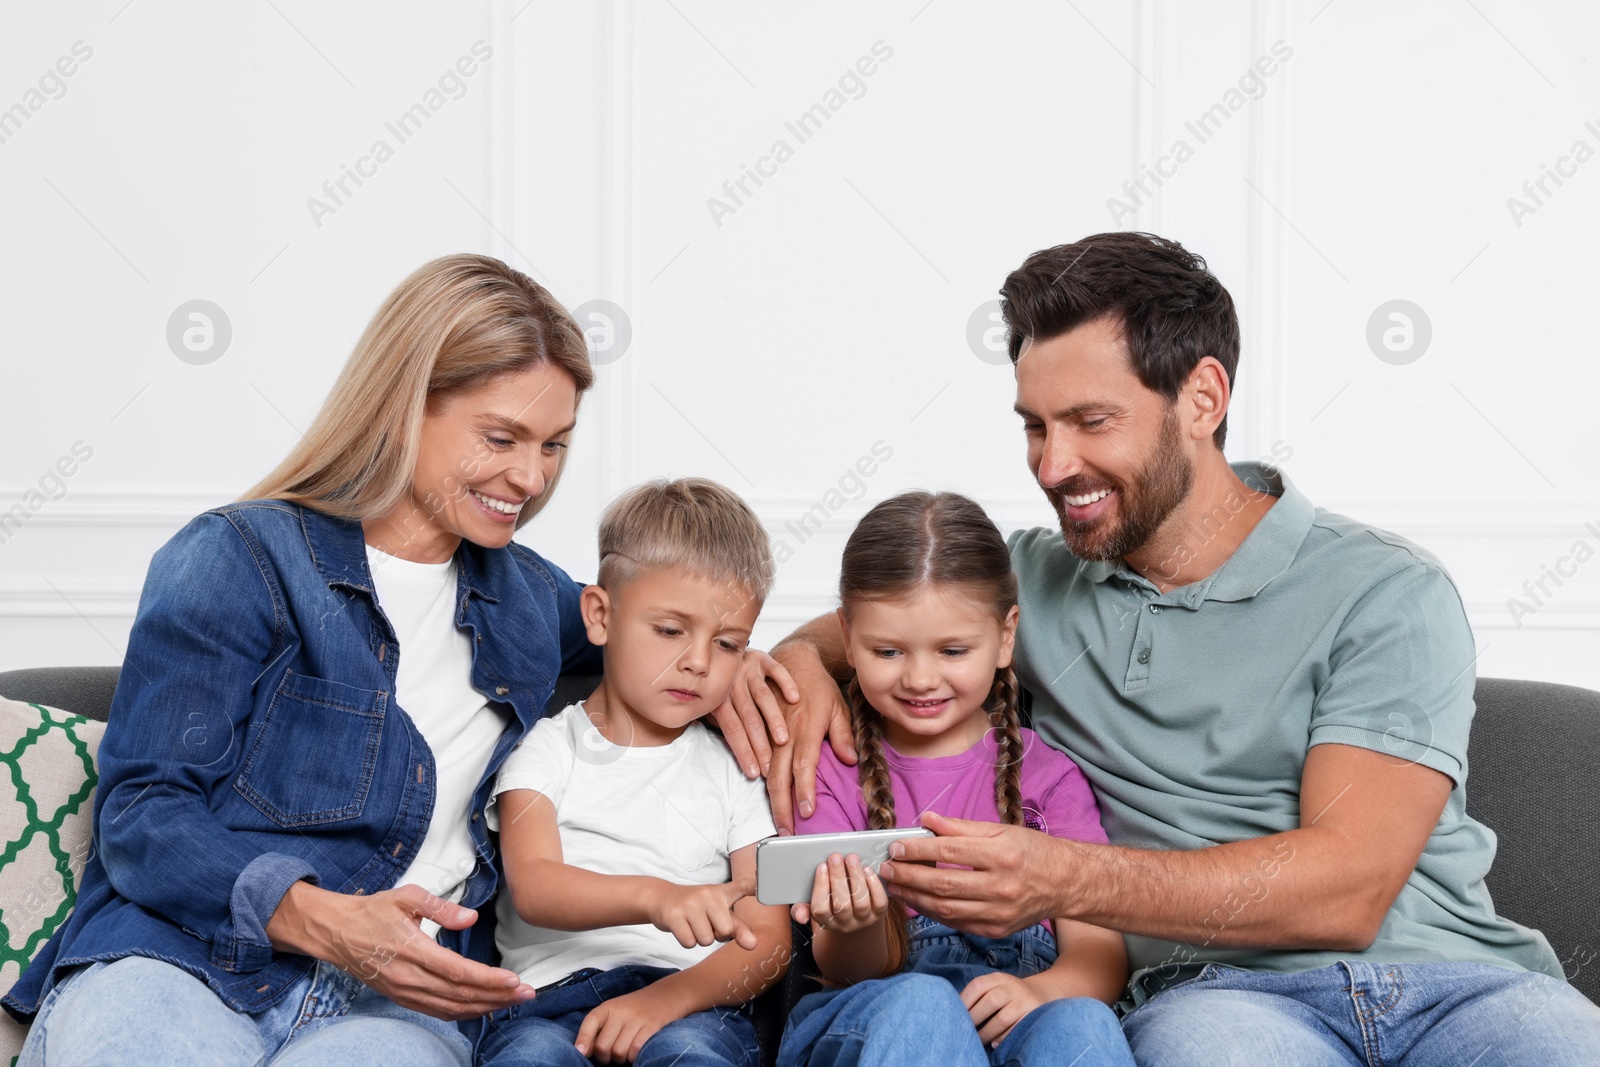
[(1269, 549), (1266, 552)]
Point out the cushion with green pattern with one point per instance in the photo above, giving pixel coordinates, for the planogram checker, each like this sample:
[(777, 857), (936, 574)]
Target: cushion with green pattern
[(47, 779)]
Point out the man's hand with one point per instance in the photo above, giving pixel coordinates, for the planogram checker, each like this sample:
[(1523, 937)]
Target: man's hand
[(997, 1001), (379, 939), (1013, 882), (817, 711), (701, 914), (752, 711), (1328, 884), (617, 1029)]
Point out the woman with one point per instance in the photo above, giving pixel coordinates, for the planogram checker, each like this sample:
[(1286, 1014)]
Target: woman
[(274, 765)]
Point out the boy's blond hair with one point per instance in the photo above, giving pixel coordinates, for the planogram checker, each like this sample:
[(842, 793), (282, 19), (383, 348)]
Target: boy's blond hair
[(692, 523)]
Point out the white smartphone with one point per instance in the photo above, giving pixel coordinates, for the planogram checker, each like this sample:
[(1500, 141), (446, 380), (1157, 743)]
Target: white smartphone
[(786, 867)]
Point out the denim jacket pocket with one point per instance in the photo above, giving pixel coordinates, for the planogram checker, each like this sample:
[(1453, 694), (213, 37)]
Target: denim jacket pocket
[(313, 756)]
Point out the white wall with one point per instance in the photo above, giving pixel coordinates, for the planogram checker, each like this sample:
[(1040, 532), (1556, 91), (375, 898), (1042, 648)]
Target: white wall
[(775, 344)]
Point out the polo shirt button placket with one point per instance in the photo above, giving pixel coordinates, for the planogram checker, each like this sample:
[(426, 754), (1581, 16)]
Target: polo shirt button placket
[(1139, 666)]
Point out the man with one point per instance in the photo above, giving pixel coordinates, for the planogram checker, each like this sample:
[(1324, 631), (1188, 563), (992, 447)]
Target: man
[(1271, 701)]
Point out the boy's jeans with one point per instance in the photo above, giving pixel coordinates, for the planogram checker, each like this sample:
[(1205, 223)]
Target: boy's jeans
[(540, 1032), (1358, 1014), (916, 1017), (138, 1011)]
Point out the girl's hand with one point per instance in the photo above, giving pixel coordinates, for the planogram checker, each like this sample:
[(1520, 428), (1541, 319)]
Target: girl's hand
[(845, 896), (997, 1001), (701, 914), (617, 1029)]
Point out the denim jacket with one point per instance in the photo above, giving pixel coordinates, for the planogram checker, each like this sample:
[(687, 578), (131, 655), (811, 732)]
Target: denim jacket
[(254, 741)]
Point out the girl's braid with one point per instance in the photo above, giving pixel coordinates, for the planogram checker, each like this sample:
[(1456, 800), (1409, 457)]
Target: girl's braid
[(872, 771), (1007, 726)]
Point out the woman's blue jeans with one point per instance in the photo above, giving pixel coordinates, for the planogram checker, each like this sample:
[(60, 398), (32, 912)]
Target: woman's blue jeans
[(916, 1017), (540, 1032), (139, 1011)]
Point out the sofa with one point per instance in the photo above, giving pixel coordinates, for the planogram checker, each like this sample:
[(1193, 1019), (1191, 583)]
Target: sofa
[(1533, 751)]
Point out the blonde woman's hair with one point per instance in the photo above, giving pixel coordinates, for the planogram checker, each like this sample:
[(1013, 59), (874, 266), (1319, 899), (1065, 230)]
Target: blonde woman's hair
[(454, 325), (692, 523)]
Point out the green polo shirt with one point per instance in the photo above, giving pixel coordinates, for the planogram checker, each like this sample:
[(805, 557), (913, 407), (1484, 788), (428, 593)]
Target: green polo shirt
[(1191, 712)]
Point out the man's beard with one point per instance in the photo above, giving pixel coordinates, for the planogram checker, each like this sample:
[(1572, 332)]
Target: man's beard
[(1143, 505)]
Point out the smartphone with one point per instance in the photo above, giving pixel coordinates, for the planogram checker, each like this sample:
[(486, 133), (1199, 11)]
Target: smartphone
[(786, 867)]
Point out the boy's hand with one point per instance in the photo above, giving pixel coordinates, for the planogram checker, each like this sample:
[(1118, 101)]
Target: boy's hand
[(701, 914), (997, 1001), (845, 896), (617, 1029)]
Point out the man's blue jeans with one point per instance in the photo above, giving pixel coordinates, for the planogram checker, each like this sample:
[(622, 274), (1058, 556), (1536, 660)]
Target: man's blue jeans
[(540, 1032), (1357, 1014), (138, 1011), (917, 1017)]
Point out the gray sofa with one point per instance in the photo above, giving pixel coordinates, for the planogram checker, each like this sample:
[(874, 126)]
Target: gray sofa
[(1534, 750)]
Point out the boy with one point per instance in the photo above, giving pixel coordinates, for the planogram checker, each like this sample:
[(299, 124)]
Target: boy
[(627, 828)]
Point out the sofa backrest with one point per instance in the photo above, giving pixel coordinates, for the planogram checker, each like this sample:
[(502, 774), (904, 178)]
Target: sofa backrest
[(83, 691), (1530, 779)]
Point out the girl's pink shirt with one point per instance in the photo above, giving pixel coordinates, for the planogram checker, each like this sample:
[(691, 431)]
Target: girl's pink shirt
[(1056, 798)]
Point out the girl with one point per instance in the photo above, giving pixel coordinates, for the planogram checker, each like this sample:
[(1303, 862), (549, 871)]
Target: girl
[(929, 617)]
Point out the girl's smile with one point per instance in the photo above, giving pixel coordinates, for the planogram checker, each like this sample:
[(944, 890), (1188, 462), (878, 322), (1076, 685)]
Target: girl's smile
[(925, 708)]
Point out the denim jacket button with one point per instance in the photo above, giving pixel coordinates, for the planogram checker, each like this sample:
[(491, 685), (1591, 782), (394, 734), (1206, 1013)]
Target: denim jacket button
[(500, 690)]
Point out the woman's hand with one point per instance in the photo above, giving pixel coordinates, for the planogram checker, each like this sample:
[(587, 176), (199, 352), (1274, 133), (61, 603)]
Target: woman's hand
[(753, 711), (379, 939), (818, 711), (701, 914), (845, 897), (997, 1001)]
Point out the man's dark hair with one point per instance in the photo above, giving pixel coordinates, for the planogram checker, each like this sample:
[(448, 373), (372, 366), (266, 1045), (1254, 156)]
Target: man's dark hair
[(1172, 310)]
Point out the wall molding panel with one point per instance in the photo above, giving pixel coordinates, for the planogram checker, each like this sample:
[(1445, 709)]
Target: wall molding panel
[(100, 508), (590, 148)]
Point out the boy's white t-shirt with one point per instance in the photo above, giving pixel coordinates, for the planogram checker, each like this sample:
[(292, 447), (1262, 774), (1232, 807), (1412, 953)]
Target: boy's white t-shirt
[(434, 686), (675, 811)]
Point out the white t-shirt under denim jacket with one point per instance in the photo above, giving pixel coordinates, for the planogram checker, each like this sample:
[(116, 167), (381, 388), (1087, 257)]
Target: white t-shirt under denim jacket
[(433, 684), (674, 812)]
